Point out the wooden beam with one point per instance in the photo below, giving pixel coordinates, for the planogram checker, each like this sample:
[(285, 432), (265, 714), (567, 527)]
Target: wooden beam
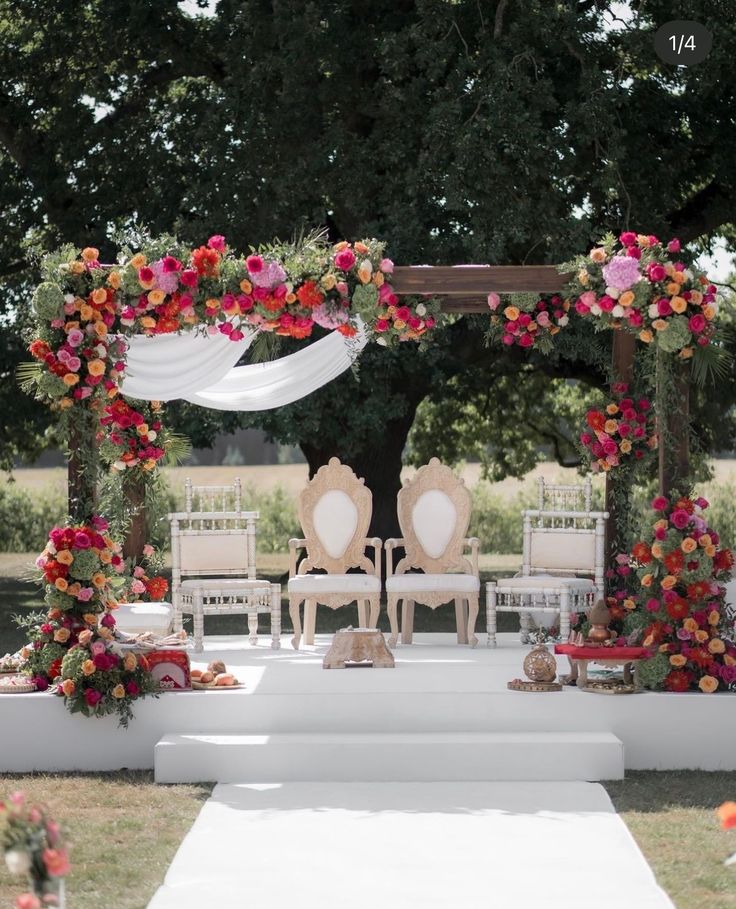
[(472, 280)]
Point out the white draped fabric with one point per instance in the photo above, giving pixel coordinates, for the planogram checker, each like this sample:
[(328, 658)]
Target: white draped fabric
[(201, 369)]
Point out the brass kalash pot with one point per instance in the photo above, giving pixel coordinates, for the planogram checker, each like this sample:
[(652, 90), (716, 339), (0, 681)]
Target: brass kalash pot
[(599, 617)]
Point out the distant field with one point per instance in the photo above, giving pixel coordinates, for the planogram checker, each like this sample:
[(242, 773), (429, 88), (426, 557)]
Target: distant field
[(293, 476)]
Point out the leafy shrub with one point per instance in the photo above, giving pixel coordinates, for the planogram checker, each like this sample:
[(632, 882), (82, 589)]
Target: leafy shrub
[(26, 516)]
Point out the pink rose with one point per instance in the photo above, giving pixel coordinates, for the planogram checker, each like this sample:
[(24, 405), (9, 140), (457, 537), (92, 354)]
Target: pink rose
[(132, 689), (653, 605), (138, 586), (526, 340), (381, 325), (701, 502), (75, 337), (656, 272), (494, 301), (660, 503), (508, 340), (680, 518), (145, 275), (633, 252), (170, 264), (627, 238), (345, 259), (606, 303), (217, 241), (92, 697), (98, 648), (386, 266), (254, 264), (82, 540), (697, 323), (189, 277), (663, 307), (543, 319), (402, 313), (674, 246)]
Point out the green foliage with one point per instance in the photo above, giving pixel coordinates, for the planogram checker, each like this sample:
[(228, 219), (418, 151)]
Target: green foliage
[(26, 517)]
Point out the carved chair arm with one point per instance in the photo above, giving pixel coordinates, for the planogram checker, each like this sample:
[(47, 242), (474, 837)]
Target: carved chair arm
[(389, 546), (295, 543), (376, 544), (474, 544)]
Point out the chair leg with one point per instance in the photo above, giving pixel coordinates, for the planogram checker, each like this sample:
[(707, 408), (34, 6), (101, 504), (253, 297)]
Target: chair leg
[(375, 605), (461, 618), (472, 618), (275, 616), (294, 603), (564, 614), (392, 605), (198, 621), (491, 603), (362, 617), (407, 621), (310, 620)]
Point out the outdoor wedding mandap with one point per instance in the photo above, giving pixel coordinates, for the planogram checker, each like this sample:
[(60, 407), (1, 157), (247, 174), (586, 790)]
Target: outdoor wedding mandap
[(115, 342)]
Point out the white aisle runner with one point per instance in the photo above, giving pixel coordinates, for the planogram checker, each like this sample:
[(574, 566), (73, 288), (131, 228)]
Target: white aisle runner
[(406, 845)]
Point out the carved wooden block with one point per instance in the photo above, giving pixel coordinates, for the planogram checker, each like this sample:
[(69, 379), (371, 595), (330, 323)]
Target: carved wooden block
[(358, 646)]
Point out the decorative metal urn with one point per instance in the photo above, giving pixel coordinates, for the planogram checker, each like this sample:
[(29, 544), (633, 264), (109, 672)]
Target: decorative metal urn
[(540, 665), (600, 616)]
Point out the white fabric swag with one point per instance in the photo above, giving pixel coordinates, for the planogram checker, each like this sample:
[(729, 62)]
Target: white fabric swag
[(201, 369)]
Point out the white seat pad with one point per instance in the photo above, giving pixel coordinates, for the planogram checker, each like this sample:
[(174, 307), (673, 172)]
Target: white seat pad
[(136, 617), (545, 582), (334, 583), (221, 583), (404, 583)]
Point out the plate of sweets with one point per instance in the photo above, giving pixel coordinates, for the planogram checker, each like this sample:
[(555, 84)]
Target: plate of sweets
[(16, 684), (214, 678), (11, 663)]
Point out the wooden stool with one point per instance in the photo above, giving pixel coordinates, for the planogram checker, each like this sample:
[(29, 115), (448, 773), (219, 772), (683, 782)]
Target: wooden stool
[(358, 646)]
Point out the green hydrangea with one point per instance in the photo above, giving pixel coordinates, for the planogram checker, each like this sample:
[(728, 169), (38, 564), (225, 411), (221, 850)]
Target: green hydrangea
[(71, 665), (365, 298), (85, 564), (57, 599), (51, 386), (654, 671), (48, 301), (675, 336)]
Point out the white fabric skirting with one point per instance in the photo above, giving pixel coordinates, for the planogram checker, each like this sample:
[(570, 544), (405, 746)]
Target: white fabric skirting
[(201, 369)]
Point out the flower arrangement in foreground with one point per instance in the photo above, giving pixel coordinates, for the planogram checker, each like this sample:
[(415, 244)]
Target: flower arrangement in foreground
[(528, 320), (678, 609), (134, 437), (620, 432), (70, 647), (33, 845), (639, 284), (727, 816)]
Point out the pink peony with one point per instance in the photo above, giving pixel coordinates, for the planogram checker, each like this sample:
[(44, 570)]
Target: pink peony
[(345, 259), (217, 241), (701, 502)]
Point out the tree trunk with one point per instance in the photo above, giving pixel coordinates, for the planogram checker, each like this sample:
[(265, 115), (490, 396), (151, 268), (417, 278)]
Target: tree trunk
[(622, 370), (673, 415), (82, 467), (134, 491)]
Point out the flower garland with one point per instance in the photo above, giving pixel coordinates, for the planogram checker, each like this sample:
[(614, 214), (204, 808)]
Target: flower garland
[(635, 283), (529, 321), (33, 845), (71, 648), (678, 609), (620, 432)]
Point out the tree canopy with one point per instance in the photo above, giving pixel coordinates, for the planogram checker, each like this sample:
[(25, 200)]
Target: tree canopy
[(458, 131)]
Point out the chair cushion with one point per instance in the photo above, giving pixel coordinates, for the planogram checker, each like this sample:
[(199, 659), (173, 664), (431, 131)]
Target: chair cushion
[(405, 583), (137, 617), (545, 582), (334, 583), (221, 583)]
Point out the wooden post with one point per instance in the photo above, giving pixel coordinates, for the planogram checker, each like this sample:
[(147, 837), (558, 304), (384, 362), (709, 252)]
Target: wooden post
[(622, 370), (673, 412), (134, 491)]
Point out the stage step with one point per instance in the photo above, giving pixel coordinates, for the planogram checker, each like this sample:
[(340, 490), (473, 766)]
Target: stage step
[(375, 757)]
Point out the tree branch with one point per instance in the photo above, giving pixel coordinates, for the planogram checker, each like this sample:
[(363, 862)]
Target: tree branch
[(498, 22)]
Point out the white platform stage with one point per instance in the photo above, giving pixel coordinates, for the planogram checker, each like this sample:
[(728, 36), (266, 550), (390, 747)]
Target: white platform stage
[(442, 704)]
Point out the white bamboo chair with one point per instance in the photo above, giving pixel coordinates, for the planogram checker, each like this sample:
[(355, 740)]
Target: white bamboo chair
[(213, 498), (335, 512), (434, 513), (562, 539), (214, 567)]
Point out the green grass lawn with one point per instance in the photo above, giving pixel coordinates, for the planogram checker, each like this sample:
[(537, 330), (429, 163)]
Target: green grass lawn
[(123, 832)]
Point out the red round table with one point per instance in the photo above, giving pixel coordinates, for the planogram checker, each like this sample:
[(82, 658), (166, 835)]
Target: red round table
[(607, 656)]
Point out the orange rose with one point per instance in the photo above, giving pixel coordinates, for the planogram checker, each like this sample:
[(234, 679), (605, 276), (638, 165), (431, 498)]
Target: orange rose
[(90, 254), (85, 637), (138, 261), (68, 687), (708, 684), (99, 296), (709, 312), (688, 545), (512, 313), (99, 580), (716, 645), (88, 667), (610, 426), (678, 304), (54, 614), (668, 582), (130, 662), (714, 617), (625, 446), (646, 336), (61, 584), (113, 279), (659, 325), (612, 409), (118, 692), (646, 581), (328, 281), (690, 625), (361, 248), (100, 329), (86, 312), (96, 367), (598, 255), (70, 379), (678, 660), (378, 279), (77, 268), (61, 635), (626, 298), (657, 550), (65, 557), (343, 244), (701, 636)]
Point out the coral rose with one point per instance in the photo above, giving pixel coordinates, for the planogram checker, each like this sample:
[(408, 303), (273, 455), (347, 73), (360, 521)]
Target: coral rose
[(678, 660), (727, 815), (88, 667), (708, 684), (68, 687), (688, 545), (118, 692), (56, 862), (716, 645), (668, 582)]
